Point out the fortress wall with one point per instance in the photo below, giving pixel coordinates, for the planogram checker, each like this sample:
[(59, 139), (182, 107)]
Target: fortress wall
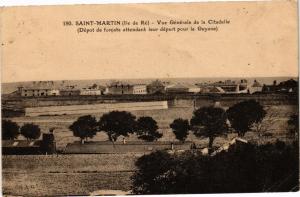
[(95, 108)]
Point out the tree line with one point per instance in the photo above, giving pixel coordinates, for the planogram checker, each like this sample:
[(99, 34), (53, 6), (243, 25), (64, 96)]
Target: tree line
[(209, 122), (116, 124)]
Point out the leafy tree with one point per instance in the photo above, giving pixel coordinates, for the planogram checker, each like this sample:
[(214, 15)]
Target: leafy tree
[(30, 131), (293, 123), (180, 128), (147, 129), (84, 127), (243, 115), (10, 130), (209, 122), (242, 168), (117, 123)]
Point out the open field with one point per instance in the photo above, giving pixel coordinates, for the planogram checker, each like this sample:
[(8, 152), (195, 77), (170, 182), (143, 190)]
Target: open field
[(73, 174), (63, 184)]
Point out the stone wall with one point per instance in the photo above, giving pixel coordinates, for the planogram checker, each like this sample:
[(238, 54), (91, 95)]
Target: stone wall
[(95, 108)]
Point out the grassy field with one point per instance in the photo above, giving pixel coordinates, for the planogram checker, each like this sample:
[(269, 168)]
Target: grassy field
[(63, 184), (66, 174)]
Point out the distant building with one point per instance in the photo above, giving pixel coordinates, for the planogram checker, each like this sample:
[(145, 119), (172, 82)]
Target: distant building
[(69, 91), (227, 86), (194, 89), (182, 88), (38, 89), (156, 86), (255, 87), (125, 88), (285, 86), (139, 89), (93, 90), (290, 85)]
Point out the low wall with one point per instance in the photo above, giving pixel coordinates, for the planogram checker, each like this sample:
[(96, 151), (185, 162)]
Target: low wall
[(95, 108), (130, 147)]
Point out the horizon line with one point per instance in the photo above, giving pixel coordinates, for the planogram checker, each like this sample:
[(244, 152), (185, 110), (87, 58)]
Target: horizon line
[(281, 76)]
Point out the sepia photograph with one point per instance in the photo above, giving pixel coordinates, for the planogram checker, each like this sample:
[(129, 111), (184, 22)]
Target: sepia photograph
[(149, 99)]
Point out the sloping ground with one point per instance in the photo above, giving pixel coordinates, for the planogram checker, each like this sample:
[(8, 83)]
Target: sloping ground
[(66, 174)]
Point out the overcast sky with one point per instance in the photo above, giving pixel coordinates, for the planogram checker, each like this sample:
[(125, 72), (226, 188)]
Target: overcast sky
[(261, 40)]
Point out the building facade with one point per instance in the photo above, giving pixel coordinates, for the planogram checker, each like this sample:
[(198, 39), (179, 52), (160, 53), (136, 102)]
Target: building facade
[(125, 88), (255, 87), (37, 92), (69, 91), (139, 89)]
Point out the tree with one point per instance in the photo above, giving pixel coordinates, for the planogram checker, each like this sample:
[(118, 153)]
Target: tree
[(209, 122), (147, 129), (117, 123), (10, 130), (243, 115), (30, 131), (180, 128), (84, 127)]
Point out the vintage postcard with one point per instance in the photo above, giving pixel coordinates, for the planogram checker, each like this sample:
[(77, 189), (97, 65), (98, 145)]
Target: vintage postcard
[(161, 98)]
